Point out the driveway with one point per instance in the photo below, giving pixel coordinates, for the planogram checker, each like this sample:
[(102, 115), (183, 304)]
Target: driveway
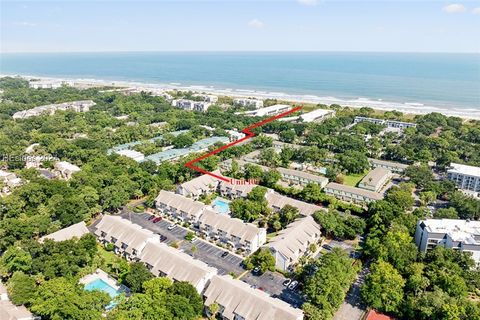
[(353, 308)]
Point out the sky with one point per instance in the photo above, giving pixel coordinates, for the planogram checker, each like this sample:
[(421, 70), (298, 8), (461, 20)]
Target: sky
[(240, 25)]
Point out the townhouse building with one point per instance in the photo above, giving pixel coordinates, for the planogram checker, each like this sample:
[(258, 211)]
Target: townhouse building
[(387, 123), (294, 242), (74, 231), (269, 111), (201, 185), (376, 179), (277, 201), (179, 207), (389, 165), (352, 194), (301, 178)]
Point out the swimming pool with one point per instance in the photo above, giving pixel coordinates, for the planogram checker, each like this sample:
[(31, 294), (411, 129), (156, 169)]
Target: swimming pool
[(99, 284), (221, 205)]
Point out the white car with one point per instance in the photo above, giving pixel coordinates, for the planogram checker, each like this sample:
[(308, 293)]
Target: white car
[(293, 285), (171, 227)]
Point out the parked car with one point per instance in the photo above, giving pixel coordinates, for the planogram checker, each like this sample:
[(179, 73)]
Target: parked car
[(293, 285), (327, 247), (151, 217), (157, 219), (172, 226), (256, 270), (287, 282), (224, 254), (163, 238)]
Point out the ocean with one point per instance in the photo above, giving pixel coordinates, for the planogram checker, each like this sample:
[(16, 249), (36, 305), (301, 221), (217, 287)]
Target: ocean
[(411, 80)]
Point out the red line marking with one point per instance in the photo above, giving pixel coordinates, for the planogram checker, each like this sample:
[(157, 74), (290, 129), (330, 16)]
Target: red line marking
[(248, 134)]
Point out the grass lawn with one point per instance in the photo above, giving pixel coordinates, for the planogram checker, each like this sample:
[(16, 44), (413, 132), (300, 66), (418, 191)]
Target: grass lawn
[(353, 179)]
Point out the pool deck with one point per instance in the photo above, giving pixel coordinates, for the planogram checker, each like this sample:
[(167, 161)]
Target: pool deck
[(100, 274)]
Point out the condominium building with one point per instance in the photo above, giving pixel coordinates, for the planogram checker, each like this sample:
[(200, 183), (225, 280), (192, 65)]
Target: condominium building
[(202, 185), (10, 311), (300, 177), (463, 235), (376, 179), (165, 261), (387, 123), (74, 231), (294, 242), (238, 301), (235, 135), (191, 105), (277, 201), (317, 115), (234, 191), (206, 97), (77, 106), (248, 103), (351, 194), (389, 165), (179, 207), (465, 177), (231, 231), (132, 154), (269, 111), (65, 170)]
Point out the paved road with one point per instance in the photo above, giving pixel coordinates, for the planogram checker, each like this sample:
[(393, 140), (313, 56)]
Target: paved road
[(353, 308)]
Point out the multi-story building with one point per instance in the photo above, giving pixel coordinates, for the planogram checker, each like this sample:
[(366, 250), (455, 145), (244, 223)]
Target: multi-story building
[(238, 301), (77, 106), (165, 261), (351, 194), (387, 123), (179, 207), (269, 111), (465, 177), (389, 165), (277, 201), (10, 311), (317, 115), (294, 242), (234, 191), (206, 97), (232, 231), (463, 235), (248, 103), (74, 231), (202, 185), (191, 105), (132, 154), (65, 170), (301, 178), (128, 239), (9, 181), (376, 179)]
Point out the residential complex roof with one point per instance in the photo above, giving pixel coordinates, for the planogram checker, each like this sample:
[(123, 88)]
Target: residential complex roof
[(375, 177), (315, 114), (76, 230), (9, 311), (388, 163), (278, 201), (354, 190), (189, 206), (465, 231), (203, 182), (238, 298), (464, 169), (303, 174)]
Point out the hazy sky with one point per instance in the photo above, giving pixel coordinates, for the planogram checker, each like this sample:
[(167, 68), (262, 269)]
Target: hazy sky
[(289, 25)]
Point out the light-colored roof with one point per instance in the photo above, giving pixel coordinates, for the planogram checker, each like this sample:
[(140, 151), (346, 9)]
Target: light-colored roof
[(203, 182), (303, 174), (135, 155), (76, 230), (181, 203), (459, 230), (294, 240), (233, 226), (279, 201), (313, 115), (388, 163), (238, 298), (64, 165), (9, 311), (464, 169), (124, 231), (354, 190), (175, 264), (375, 176), (233, 188)]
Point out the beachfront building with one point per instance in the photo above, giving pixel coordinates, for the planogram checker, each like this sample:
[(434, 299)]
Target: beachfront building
[(199, 186), (269, 111), (179, 207), (191, 105), (352, 194), (248, 103), (463, 235), (206, 97), (128, 239), (132, 154), (294, 242), (165, 261), (465, 177), (65, 170), (376, 179), (8, 181), (9, 311), (317, 115), (74, 231), (388, 123), (389, 165), (238, 301), (77, 106), (301, 178), (277, 201), (231, 231)]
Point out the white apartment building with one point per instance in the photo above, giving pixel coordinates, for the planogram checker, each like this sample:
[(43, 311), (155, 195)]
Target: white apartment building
[(248, 103), (206, 97), (234, 191), (351, 194), (165, 261), (231, 231), (301, 178), (277, 201), (389, 165), (65, 170), (74, 231), (238, 301), (235, 135), (317, 115), (388, 123), (293, 242), (202, 185), (269, 111), (183, 104), (179, 207), (463, 235), (465, 177), (77, 106), (376, 179), (128, 239)]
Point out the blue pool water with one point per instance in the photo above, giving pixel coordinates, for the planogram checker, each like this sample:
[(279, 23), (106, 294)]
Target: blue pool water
[(221, 206), (101, 285)]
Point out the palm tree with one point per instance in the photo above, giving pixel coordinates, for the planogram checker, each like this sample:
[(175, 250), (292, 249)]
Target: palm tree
[(213, 310)]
